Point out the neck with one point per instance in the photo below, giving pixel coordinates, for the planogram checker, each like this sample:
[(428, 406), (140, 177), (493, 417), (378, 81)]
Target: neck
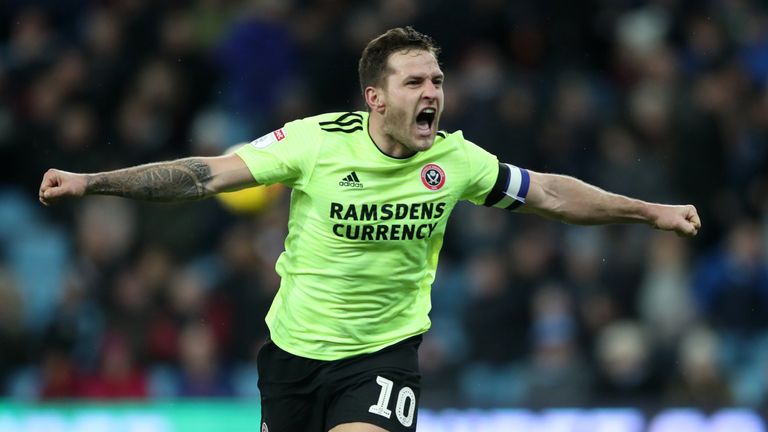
[(384, 141)]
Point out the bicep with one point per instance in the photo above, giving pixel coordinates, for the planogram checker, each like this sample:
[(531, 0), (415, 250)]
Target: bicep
[(229, 172)]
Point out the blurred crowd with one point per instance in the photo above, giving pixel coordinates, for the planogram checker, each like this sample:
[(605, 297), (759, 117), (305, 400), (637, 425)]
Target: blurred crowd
[(664, 100)]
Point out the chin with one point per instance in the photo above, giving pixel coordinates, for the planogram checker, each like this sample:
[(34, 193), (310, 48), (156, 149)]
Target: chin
[(423, 144)]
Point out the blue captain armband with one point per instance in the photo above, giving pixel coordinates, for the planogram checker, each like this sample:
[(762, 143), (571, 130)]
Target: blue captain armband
[(510, 189)]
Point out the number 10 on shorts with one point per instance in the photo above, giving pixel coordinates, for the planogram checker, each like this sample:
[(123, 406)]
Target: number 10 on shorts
[(405, 394)]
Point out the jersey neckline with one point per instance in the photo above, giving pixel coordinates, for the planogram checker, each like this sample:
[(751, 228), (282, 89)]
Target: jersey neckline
[(371, 142)]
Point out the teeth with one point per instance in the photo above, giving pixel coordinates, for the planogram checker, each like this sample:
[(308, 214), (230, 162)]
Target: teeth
[(429, 110)]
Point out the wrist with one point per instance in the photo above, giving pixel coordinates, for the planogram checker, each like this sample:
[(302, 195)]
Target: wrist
[(88, 182), (648, 213)]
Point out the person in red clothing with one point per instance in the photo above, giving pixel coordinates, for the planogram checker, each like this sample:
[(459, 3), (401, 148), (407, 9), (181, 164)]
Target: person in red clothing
[(118, 377), (58, 376)]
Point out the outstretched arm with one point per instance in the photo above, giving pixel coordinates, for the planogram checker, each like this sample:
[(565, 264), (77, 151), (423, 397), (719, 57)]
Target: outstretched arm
[(179, 180), (573, 201)]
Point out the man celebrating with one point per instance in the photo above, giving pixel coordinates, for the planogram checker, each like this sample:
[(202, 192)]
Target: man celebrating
[(372, 192)]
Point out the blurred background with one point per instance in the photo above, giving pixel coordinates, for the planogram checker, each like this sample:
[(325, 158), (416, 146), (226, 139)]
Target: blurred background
[(663, 100)]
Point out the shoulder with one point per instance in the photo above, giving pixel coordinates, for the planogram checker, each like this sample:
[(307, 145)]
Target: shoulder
[(456, 137), (453, 141), (345, 122), (322, 120), (459, 147)]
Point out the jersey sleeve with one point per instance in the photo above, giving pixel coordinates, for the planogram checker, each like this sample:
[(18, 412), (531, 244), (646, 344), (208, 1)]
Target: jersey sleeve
[(481, 175), (494, 184), (286, 155)]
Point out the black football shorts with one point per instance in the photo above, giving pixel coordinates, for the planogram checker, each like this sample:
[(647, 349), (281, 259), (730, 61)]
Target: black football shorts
[(305, 395)]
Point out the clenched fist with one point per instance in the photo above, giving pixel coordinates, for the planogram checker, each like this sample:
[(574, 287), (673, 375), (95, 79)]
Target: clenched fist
[(682, 219), (58, 184)]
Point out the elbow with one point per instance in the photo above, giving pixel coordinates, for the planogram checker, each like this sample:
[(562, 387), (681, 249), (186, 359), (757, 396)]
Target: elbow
[(553, 199), (563, 202)]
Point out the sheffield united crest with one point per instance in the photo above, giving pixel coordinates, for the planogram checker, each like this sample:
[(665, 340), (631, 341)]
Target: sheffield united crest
[(432, 176)]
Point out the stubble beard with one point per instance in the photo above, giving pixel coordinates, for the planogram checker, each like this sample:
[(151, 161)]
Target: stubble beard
[(398, 126)]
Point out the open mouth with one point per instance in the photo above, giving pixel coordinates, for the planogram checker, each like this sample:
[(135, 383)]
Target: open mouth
[(425, 118)]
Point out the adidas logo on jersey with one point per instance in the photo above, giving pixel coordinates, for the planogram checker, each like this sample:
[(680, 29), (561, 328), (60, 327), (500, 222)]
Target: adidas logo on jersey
[(351, 181)]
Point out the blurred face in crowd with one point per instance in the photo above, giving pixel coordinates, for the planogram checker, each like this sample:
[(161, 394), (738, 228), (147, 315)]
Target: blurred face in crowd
[(410, 100)]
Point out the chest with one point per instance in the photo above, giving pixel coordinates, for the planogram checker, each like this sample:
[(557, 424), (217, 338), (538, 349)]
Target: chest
[(355, 181)]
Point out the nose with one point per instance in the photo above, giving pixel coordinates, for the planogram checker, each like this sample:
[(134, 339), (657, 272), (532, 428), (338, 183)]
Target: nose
[(430, 90)]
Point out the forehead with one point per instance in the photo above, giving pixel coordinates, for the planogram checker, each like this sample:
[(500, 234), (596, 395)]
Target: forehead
[(413, 62)]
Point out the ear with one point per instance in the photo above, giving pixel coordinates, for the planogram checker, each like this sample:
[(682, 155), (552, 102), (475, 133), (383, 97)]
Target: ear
[(375, 99)]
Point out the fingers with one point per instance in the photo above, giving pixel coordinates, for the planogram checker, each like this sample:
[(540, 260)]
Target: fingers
[(693, 216), (691, 224), (688, 230), (49, 180), (51, 187), (684, 229), (47, 196)]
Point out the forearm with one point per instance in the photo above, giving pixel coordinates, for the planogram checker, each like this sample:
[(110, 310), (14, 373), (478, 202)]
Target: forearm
[(576, 202), (180, 180)]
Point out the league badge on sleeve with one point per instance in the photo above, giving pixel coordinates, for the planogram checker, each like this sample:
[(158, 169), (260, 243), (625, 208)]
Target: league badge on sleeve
[(432, 176), (268, 139)]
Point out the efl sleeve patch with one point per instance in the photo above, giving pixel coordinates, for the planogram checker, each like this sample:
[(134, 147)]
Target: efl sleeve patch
[(511, 188), (268, 139)]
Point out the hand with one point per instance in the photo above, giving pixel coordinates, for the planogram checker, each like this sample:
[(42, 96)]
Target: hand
[(58, 184), (682, 219)]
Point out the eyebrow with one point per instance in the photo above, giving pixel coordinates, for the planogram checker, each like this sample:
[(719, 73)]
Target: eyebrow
[(410, 77)]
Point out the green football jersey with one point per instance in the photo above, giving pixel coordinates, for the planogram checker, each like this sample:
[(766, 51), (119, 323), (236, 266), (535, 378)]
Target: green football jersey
[(364, 232)]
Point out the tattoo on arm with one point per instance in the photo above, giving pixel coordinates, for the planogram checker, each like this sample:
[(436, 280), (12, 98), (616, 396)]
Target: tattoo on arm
[(179, 180)]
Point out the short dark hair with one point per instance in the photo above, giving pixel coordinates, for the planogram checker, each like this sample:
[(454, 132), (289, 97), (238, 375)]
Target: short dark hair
[(373, 63)]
